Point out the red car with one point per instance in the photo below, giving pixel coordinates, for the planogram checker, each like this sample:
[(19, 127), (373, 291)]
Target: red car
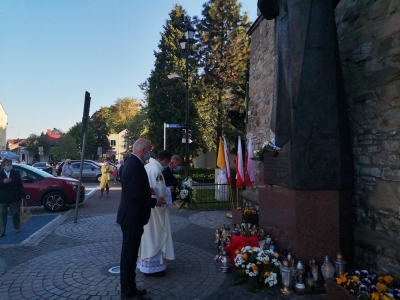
[(54, 193)]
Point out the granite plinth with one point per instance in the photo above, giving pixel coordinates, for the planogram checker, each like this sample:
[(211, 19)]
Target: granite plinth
[(307, 223)]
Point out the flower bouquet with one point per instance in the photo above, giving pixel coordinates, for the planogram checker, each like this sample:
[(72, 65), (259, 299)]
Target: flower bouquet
[(366, 285), (185, 193), (260, 268), (268, 146)]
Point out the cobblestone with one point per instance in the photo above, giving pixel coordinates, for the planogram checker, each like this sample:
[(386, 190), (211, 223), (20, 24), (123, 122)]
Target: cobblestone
[(67, 260)]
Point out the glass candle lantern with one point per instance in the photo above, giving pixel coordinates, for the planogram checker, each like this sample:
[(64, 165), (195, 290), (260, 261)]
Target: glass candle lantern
[(286, 274), (314, 269), (300, 276), (309, 280), (340, 265), (327, 269), (225, 262)]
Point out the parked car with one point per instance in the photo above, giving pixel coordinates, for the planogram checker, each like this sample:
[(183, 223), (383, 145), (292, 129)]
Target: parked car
[(54, 193), (61, 163), (44, 166), (89, 171)]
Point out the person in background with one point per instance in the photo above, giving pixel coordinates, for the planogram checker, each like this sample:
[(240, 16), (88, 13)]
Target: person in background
[(106, 181), (133, 213), (11, 193), (67, 170), (115, 174), (170, 181)]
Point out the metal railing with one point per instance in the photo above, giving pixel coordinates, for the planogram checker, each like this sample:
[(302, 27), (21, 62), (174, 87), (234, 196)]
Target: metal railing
[(214, 195)]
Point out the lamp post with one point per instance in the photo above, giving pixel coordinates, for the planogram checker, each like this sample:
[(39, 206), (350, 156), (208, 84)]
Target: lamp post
[(185, 46)]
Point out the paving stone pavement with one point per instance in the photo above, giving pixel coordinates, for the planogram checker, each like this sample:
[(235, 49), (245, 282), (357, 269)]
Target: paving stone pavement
[(67, 260)]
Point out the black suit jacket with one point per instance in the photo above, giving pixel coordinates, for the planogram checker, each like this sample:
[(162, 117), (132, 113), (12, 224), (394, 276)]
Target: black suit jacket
[(136, 200), (12, 191), (170, 180)]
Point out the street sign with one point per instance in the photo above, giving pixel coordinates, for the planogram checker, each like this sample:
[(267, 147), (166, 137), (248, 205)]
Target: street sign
[(173, 125)]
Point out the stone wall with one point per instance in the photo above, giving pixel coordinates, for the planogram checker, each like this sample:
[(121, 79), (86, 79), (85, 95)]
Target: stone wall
[(369, 43), (261, 84)]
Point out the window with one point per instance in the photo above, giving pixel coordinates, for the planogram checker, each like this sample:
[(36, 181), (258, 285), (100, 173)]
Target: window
[(113, 143)]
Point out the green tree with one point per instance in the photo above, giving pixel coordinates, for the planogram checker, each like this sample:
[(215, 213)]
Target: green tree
[(121, 113), (166, 99), (98, 122), (34, 141), (66, 147), (137, 127), (91, 145), (224, 53)]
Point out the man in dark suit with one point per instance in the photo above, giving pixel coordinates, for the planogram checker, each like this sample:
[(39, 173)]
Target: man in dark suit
[(11, 193), (133, 213), (168, 173)]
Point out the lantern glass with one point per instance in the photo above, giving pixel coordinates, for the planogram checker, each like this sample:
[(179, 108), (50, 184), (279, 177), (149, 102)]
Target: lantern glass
[(286, 274), (300, 276), (310, 280), (183, 42), (189, 33), (225, 262), (327, 269), (340, 265), (314, 269)]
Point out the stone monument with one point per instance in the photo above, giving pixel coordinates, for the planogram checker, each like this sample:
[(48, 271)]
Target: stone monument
[(307, 192)]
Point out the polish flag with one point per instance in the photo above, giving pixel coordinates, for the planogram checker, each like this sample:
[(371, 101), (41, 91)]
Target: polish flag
[(249, 165), (239, 166), (227, 162)]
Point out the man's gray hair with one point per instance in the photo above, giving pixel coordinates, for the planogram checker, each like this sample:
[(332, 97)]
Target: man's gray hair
[(140, 144), (5, 161)]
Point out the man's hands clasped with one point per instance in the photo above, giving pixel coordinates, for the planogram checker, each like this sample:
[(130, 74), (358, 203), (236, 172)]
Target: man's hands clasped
[(161, 202)]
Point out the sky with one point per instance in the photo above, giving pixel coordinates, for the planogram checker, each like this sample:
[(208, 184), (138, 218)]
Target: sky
[(52, 51)]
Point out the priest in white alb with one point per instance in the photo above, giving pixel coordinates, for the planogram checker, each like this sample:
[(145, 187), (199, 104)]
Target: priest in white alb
[(156, 245)]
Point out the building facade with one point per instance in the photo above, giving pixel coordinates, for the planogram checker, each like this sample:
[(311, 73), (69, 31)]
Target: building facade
[(3, 127)]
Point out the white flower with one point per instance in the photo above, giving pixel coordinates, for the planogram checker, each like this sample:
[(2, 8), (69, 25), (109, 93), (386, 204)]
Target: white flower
[(183, 194)]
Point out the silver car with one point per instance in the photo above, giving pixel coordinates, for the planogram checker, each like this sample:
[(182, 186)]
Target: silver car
[(89, 171)]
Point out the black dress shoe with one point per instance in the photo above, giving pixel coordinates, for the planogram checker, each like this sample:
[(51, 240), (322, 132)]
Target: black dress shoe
[(156, 274), (139, 292)]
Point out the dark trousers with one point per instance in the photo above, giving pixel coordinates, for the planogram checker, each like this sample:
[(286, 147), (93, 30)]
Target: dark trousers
[(15, 215), (131, 237)]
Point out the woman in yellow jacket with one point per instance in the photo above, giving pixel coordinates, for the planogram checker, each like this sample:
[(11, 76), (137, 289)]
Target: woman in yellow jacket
[(106, 177)]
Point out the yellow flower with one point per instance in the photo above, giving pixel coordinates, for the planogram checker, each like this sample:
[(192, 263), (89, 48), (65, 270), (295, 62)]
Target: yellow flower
[(244, 255), (382, 288), (339, 281), (237, 252), (356, 279), (266, 262), (276, 255), (388, 279), (385, 297), (380, 278), (254, 267), (343, 278), (375, 296), (266, 274)]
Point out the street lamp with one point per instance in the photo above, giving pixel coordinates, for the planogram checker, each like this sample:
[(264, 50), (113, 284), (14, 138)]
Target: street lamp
[(185, 45)]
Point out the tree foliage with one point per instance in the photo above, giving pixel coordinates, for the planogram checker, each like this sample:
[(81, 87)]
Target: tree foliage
[(137, 127), (121, 113), (166, 99), (91, 144), (223, 53), (66, 147), (34, 141), (98, 122)]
